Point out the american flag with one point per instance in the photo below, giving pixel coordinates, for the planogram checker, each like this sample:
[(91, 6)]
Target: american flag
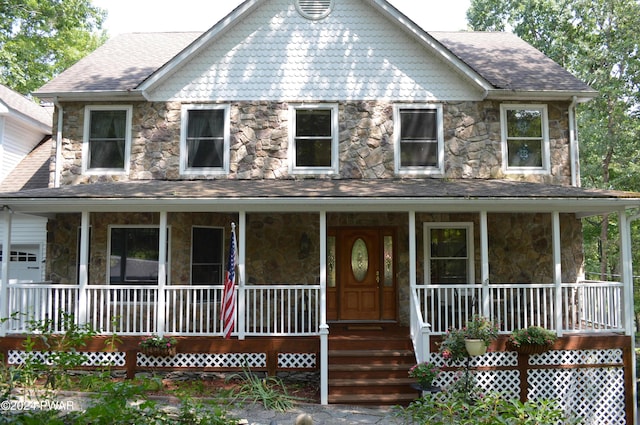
[(229, 293)]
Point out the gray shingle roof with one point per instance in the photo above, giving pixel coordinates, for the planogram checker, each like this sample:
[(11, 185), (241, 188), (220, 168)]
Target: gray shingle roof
[(33, 171), (122, 63), (19, 104), (508, 62)]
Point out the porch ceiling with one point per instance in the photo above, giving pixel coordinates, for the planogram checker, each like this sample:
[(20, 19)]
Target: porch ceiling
[(321, 194)]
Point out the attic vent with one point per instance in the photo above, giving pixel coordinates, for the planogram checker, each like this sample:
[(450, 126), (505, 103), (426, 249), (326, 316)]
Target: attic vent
[(314, 9)]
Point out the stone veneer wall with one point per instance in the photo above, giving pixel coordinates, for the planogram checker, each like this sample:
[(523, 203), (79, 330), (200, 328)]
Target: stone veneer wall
[(259, 141)]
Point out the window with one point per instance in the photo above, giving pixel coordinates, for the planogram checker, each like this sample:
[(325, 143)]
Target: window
[(314, 139), (449, 253), (207, 255), (419, 139), (525, 138), (133, 255), (204, 139), (107, 139)]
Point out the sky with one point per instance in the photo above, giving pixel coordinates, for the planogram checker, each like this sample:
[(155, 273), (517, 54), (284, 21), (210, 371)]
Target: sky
[(184, 15)]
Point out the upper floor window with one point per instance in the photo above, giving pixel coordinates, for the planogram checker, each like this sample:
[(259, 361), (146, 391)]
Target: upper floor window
[(419, 139), (204, 139), (525, 138), (314, 139), (107, 139)]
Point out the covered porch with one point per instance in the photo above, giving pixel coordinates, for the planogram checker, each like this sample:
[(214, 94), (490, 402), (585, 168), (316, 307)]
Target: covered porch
[(558, 298)]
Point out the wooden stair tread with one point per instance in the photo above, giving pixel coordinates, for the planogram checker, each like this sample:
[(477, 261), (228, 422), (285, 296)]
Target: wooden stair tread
[(369, 367), (370, 353), (344, 382), (371, 398)]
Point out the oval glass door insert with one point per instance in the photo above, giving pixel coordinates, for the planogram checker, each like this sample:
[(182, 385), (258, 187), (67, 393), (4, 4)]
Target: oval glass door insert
[(359, 259)]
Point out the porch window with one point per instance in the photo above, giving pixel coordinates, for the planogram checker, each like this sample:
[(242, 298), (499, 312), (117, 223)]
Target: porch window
[(204, 139), (107, 139), (419, 139), (133, 255), (207, 255), (314, 139), (449, 253), (525, 138)]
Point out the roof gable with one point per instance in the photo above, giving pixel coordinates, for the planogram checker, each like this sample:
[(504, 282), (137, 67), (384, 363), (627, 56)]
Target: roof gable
[(272, 52)]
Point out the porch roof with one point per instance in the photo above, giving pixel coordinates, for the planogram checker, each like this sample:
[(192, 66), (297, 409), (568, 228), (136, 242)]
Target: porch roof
[(321, 194)]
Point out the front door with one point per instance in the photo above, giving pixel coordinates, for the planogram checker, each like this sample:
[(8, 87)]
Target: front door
[(362, 286)]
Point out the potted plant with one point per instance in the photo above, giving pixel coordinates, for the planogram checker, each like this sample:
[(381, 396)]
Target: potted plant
[(472, 340), (155, 345), (478, 334), (532, 340), (425, 373)]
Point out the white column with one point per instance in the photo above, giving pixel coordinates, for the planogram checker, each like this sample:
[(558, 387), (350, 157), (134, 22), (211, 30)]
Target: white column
[(83, 273), (484, 266), (162, 274), (6, 215), (626, 272), (242, 251), (557, 268), (324, 327)]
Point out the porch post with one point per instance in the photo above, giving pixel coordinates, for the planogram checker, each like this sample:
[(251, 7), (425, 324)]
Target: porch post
[(484, 259), (557, 269), (324, 327), (83, 273), (162, 274), (242, 250), (4, 277), (626, 272)]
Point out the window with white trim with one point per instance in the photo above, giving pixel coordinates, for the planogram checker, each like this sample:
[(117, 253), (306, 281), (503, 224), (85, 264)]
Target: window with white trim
[(134, 253), (419, 139), (204, 139), (207, 255), (449, 253), (107, 139), (313, 137), (525, 138)]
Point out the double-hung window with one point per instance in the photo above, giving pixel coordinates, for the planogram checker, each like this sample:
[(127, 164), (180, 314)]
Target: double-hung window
[(525, 138), (204, 139), (313, 139), (107, 139), (419, 139), (449, 253)]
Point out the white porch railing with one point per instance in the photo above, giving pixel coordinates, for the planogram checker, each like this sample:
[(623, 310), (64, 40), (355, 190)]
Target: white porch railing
[(188, 310), (585, 306)]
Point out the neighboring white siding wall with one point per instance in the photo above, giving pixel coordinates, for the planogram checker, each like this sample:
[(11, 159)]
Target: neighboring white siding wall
[(18, 140), (29, 230), (276, 54)]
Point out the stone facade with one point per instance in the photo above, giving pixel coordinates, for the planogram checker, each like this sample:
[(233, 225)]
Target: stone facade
[(259, 142)]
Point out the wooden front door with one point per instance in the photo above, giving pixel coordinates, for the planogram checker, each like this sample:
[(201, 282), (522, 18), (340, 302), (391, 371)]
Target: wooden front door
[(363, 286)]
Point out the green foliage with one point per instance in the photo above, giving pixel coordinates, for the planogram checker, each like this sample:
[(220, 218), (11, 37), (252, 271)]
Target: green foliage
[(453, 347), (41, 38), (450, 409), (532, 335), (270, 391)]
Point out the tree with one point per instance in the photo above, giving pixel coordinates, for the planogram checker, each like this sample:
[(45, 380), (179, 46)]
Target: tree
[(599, 41), (41, 38)]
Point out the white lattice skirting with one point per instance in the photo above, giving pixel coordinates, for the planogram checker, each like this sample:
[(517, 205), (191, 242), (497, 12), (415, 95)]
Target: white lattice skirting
[(588, 384), (183, 360)]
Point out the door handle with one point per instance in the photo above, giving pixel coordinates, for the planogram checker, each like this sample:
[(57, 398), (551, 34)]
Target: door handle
[(378, 276)]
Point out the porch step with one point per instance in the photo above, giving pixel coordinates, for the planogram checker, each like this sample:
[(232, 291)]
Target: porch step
[(371, 366)]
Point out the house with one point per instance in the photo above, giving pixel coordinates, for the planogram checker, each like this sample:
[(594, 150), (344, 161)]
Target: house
[(25, 150), (386, 183)]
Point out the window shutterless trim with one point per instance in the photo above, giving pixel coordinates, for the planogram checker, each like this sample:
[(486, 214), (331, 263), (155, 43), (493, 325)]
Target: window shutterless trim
[(545, 148), (333, 168), (436, 170), (468, 226), (86, 140), (184, 125)]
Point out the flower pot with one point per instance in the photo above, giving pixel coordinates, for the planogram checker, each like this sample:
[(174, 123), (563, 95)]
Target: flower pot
[(425, 388), (159, 351), (475, 347)]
